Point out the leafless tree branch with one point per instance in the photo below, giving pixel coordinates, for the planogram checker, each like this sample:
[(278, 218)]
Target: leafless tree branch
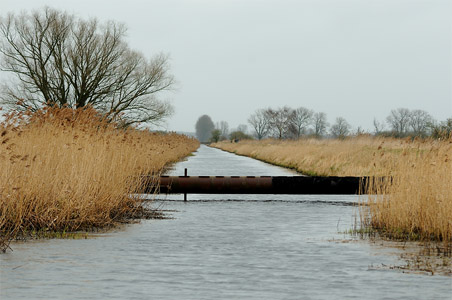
[(62, 60)]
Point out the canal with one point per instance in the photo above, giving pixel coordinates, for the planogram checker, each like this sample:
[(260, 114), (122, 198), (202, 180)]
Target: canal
[(221, 247)]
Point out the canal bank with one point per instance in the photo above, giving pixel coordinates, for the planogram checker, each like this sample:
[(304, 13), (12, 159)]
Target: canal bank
[(222, 247)]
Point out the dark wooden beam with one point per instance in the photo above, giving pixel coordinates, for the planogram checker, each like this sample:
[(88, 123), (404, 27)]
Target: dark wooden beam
[(259, 185)]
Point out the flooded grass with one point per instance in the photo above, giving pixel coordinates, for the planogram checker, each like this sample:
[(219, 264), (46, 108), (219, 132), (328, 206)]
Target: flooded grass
[(65, 170), (419, 256), (416, 204)]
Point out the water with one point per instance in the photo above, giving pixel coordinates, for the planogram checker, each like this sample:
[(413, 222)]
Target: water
[(235, 247)]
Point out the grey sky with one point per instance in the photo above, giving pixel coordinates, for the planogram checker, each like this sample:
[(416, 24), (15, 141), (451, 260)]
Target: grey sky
[(352, 58)]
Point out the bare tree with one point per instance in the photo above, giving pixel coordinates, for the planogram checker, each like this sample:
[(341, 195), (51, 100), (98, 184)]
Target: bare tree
[(379, 127), (280, 121), (204, 127), (420, 122), (242, 128), (443, 130), (301, 119), (340, 128), (223, 127), (360, 131), (260, 123), (320, 124), (399, 120), (62, 60)]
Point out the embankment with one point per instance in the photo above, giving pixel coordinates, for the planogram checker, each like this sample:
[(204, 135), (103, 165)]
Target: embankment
[(63, 170)]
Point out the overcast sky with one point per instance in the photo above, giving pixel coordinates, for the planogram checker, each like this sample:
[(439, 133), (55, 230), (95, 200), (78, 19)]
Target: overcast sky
[(357, 59)]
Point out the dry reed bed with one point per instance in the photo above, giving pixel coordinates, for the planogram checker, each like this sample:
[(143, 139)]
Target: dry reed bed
[(415, 205), (66, 170)]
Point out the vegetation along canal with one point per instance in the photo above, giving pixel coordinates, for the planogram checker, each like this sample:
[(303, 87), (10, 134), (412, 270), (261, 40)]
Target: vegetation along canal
[(222, 247)]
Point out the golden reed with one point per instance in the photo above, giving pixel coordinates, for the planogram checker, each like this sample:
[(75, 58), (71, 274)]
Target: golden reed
[(416, 204), (68, 170)]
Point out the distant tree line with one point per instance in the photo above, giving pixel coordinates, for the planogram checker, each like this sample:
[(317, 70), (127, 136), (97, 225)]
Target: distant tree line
[(288, 123), (404, 122), (207, 131)]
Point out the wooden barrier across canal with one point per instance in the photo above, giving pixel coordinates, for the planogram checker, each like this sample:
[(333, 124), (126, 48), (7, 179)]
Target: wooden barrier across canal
[(259, 185)]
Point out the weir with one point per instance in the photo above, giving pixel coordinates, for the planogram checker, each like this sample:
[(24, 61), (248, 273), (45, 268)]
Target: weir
[(260, 185)]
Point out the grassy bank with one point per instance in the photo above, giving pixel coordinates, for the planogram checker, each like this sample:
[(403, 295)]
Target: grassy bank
[(63, 170), (416, 205)]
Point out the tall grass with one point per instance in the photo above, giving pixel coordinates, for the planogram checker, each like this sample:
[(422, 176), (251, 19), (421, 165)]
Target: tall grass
[(362, 156), (415, 204), (68, 170)]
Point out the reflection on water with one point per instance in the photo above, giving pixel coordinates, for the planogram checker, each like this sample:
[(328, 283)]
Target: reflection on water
[(220, 247)]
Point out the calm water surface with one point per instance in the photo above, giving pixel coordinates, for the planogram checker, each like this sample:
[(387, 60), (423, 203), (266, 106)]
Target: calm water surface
[(221, 247)]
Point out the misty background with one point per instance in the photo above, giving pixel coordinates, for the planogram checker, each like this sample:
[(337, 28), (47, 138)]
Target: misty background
[(350, 58)]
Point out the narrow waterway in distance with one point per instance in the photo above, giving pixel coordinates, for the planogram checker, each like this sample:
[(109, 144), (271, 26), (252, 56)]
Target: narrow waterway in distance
[(221, 247)]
